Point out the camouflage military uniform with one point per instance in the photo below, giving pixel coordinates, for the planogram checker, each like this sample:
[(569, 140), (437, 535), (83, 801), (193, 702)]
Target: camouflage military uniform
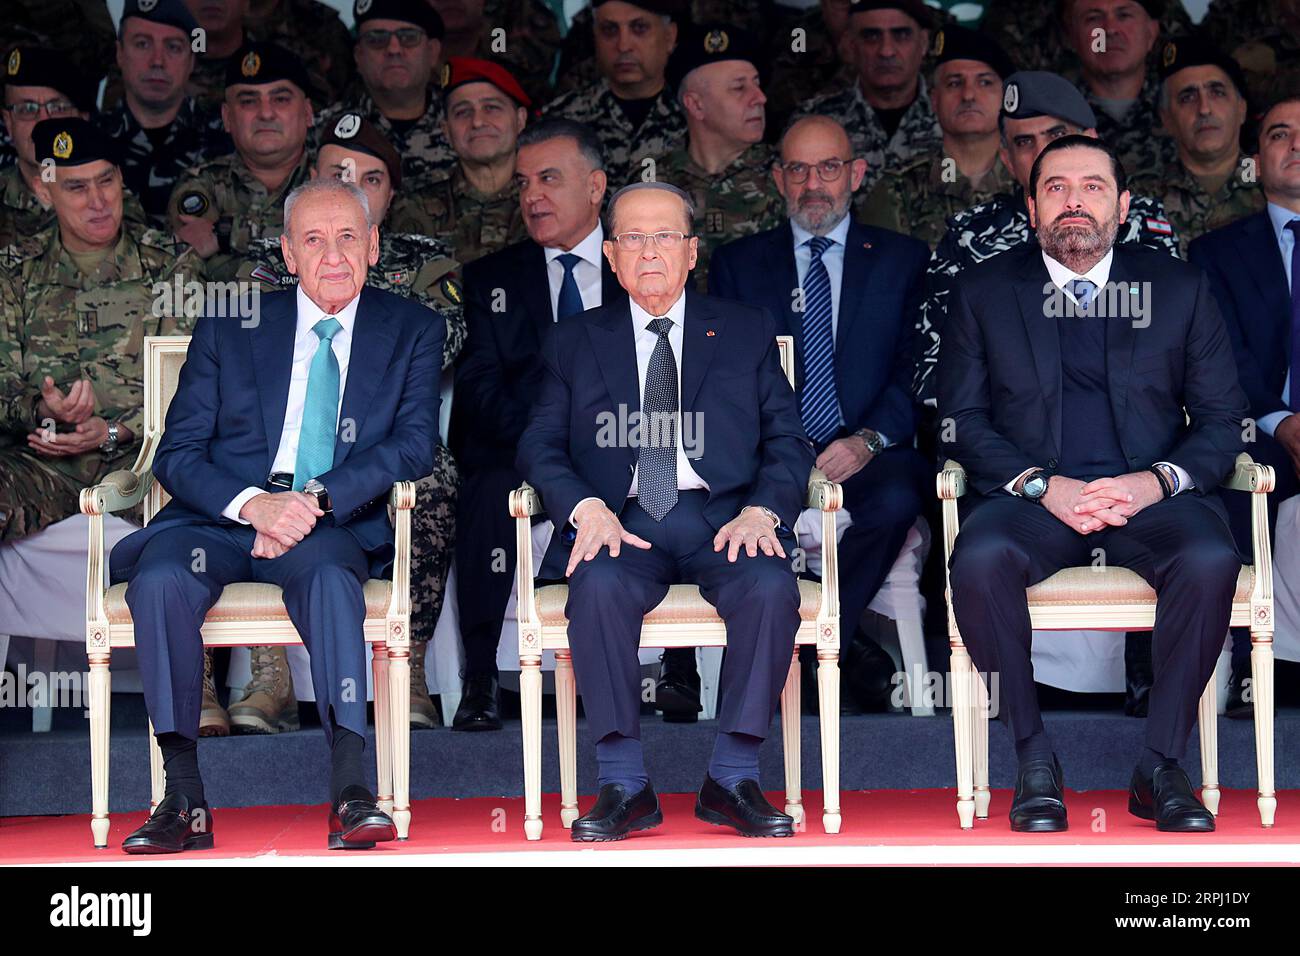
[(1139, 138), (419, 268), (982, 232), (662, 131), (1194, 212), (794, 77), (81, 28), (56, 321), (238, 206), (21, 213), (739, 201), (314, 32), (452, 210), (426, 152), (918, 133), (1271, 62), (532, 43), (194, 137), (917, 199), (1232, 23)]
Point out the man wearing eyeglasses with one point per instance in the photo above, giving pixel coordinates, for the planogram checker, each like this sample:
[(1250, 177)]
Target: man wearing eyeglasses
[(711, 472), (849, 294), (887, 112), (399, 43)]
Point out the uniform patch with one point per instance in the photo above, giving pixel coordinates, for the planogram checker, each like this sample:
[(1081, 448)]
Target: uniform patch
[(398, 277), (1159, 226), (193, 204), (713, 222), (451, 289), (263, 274)]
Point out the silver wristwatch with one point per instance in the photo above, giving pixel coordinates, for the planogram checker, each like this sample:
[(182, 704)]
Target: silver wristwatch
[(875, 444), (109, 444)]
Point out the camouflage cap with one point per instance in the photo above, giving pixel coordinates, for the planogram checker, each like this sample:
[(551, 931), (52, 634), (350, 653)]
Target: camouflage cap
[(1030, 93), (40, 66), (172, 13), (353, 131), (460, 70), (962, 43), (711, 43), (257, 64), (915, 9), (417, 12), (1191, 51), (72, 142)]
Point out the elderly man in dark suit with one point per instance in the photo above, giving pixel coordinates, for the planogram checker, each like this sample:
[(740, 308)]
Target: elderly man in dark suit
[(1064, 375), (700, 486)]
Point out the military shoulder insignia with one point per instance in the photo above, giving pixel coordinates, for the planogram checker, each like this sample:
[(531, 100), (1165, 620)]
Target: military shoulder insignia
[(62, 147), (1159, 226), (349, 125), (938, 43), (716, 41), (15, 62), (1011, 98), (1170, 53), (263, 274), (193, 204), (251, 65), (451, 290)]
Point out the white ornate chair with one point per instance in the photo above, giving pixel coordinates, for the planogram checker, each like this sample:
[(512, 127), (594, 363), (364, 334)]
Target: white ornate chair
[(246, 614), (682, 619), (1113, 598)]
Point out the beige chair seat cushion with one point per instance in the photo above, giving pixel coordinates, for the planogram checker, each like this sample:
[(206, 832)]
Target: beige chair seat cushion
[(682, 605), (249, 601), (1111, 585)]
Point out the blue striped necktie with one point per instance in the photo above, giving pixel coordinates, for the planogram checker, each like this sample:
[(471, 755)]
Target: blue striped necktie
[(819, 405), (570, 300), (320, 412)]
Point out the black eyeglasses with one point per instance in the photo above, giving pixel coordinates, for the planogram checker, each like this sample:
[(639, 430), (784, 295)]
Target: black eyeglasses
[(828, 170), (409, 37), (54, 109)]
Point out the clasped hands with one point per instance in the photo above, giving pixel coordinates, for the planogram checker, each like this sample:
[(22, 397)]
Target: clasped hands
[(598, 527), (76, 408), (281, 519), (1105, 502)]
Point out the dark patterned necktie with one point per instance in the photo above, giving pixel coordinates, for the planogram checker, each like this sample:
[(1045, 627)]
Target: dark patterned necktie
[(656, 476), (819, 404)]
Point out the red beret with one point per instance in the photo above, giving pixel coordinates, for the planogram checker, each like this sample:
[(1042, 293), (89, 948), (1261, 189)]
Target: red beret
[(460, 70)]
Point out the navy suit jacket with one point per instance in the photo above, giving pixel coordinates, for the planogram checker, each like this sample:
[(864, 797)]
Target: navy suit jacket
[(1248, 280), (508, 311), (1000, 372), (879, 301), (754, 451), (224, 422)]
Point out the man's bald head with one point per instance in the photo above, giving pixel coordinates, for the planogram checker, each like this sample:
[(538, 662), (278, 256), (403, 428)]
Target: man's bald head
[(816, 131)]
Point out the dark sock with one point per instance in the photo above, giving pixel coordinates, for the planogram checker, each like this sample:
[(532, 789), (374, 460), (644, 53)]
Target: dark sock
[(1149, 759), (181, 767), (620, 761), (346, 751), (735, 758), (1037, 746)]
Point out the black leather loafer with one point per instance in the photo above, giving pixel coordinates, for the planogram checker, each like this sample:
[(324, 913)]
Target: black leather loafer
[(744, 809), (357, 823), (175, 825), (1167, 798), (677, 692), (1039, 803), (617, 813), (478, 708)]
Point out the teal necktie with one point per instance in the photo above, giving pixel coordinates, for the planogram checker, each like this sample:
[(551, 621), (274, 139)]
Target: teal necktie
[(320, 412)]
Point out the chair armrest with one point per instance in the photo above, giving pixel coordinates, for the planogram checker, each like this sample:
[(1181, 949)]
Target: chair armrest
[(525, 502), (1248, 476), (827, 497), (402, 500), (951, 482), (1258, 480), (823, 494), (118, 491)]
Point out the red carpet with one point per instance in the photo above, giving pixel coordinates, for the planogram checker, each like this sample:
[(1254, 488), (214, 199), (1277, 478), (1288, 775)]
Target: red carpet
[(878, 827)]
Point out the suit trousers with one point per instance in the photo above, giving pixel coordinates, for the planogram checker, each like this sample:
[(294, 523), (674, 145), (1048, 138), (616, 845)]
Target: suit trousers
[(179, 576), (1182, 547), (485, 563), (757, 598)]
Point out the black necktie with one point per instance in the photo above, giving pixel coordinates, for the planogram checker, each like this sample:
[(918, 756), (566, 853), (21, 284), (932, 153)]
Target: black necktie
[(657, 457)]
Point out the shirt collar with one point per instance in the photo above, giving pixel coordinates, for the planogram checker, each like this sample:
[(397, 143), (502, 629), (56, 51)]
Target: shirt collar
[(839, 234), (1063, 275), (588, 250), (677, 312), (309, 313), (1279, 216)]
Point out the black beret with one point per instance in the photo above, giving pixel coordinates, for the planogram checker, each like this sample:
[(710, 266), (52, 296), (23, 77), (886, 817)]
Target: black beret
[(915, 9), (72, 142), (353, 131), (418, 12), (665, 8), (256, 64), (711, 43), (961, 43), (172, 13), (39, 66), (1031, 93), (1180, 53)]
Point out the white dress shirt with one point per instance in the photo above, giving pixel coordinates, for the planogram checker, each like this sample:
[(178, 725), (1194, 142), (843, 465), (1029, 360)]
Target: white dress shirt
[(1279, 216), (586, 272), (305, 343), (1062, 276)]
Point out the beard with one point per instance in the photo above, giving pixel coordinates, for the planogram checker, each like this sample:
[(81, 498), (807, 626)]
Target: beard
[(1069, 244), (821, 220)]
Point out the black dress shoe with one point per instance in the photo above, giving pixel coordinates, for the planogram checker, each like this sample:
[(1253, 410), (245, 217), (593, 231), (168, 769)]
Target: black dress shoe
[(175, 825), (1239, 706), (1039, 804), (617, 813), (478, 708), (677, 692), (357, 823), (1167, 798), (744, 808)]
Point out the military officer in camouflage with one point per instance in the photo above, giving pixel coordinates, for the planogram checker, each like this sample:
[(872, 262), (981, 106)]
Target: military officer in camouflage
[(917, 199), (423, 269), (887, 113), (631, 107), (1211, 182), (160, 131), (475, 209), (223, 205), (724, 165), (812, 56), (398, 46), (1268, 48), (1037, 107), (74, 310), (527, 45), (82, 30)]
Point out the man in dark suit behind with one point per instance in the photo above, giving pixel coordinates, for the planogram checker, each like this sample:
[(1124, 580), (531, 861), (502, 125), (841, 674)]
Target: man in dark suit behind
[(285, 436), (667, 447), (849, 295), (513, 297), (1252, 265), (1063, 379)]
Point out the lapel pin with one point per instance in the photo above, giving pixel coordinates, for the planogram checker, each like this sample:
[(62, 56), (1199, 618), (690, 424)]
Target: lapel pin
[(710, 333), (866, 245)]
